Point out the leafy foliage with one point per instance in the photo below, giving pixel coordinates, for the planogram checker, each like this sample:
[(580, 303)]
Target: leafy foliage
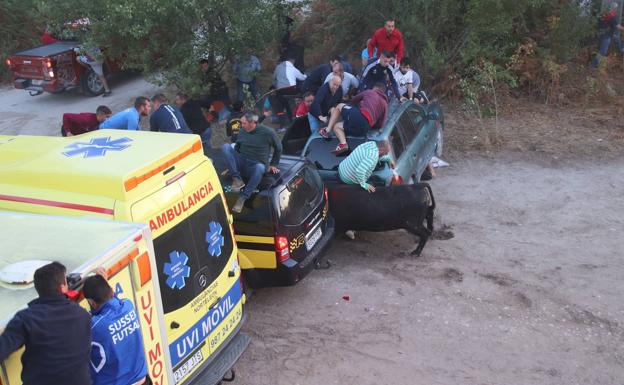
[(168, 38)]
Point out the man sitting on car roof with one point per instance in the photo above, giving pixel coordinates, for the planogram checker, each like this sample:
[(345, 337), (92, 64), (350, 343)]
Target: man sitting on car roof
[(249, 157), (368, 110)]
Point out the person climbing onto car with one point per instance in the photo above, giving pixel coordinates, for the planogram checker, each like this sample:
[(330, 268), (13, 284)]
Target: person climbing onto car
[(249, 157), (327, 98), (369, 110), (380, 71), (361, 162)]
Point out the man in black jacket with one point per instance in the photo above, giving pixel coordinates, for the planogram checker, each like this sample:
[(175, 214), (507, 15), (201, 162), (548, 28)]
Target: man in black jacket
[(55, 331), (194, 116), (327, 97), (317, 77)]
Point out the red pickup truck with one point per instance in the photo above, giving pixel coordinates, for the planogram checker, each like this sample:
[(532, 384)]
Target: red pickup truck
[(55, 68)]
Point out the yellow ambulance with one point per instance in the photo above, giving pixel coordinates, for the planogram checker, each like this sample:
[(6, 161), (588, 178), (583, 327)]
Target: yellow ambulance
[(165, 181)]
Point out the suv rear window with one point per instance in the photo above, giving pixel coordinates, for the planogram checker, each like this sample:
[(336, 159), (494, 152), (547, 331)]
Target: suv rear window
[(319, 152), (300, 196)]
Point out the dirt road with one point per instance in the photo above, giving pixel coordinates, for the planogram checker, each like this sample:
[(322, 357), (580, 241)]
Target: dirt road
[(528, 291), (23, 114)]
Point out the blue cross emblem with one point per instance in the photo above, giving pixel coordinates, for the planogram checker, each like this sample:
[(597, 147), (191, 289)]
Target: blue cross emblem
[(214, 239), (97, 147), (177, 270)]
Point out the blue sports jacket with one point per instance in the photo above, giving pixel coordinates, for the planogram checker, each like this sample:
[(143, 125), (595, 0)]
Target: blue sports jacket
[(117, 355)]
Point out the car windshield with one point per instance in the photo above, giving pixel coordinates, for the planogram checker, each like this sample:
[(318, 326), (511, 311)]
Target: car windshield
[(320, 152), (300, 196)]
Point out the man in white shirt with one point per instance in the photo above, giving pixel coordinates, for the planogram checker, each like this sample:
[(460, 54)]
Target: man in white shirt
[(285, 79), (349, 82), (407, 80)]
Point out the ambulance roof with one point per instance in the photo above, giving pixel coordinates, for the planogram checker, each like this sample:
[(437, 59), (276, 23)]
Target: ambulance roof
[(76, 243), (97, 161)]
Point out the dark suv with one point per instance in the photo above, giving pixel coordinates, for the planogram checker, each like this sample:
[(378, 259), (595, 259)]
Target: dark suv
[(284, 227)]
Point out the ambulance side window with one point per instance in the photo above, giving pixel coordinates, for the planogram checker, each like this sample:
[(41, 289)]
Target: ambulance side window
[(213, 242), (175, 257)]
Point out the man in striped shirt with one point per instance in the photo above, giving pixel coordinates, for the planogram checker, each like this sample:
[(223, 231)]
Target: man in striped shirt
[(360, 164)]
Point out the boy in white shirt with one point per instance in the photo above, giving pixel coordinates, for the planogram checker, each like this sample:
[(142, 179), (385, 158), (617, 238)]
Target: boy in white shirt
[(407, 79)]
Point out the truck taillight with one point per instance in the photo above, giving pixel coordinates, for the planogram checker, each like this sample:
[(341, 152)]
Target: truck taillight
[(48, 63), (8, 62), (51, 73), (396, 180), (281, 248)]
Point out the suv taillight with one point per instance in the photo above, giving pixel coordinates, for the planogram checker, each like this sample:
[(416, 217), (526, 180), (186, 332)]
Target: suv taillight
[(281, 248), (396, 180)]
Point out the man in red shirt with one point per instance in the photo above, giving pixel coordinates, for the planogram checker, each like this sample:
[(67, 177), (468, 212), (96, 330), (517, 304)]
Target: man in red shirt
[(388, 39), (304, 107), (76, 124)]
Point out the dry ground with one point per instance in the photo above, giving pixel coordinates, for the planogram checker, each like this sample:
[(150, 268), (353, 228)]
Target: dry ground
[(528, 289)]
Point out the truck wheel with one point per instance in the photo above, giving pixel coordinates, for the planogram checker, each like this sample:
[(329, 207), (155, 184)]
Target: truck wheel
[(90, 83)]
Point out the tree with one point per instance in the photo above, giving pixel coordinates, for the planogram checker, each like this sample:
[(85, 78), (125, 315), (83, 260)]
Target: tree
[(168, 38)]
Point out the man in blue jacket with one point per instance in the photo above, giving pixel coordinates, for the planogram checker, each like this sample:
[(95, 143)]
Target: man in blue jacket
[(54, 331), (117, 352), (166, 118), (327, 97)]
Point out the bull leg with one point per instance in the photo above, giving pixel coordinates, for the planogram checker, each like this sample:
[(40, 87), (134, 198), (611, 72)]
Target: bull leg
[(422, 233)]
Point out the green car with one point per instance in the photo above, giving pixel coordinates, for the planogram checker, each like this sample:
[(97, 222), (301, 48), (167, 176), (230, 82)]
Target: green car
[(415, 133)]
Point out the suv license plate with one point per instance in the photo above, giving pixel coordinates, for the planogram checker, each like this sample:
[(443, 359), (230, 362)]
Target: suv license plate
[(312, 239)]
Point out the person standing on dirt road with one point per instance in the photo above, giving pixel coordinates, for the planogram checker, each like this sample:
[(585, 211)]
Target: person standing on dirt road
[(249, 157), (55, 332), (117, 354), (610, 27), (76, 124), (129, 118)]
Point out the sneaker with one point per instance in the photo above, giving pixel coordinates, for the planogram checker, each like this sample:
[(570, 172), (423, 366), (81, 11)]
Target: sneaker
[(341, 148), (106, 93), (237, 184), (323, 132), (238, 206)]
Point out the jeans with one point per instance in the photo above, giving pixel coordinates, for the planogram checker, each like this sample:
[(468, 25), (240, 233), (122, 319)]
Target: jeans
[(205, 137), (241, 166), (605, 42), (315, 124), (253, 89)]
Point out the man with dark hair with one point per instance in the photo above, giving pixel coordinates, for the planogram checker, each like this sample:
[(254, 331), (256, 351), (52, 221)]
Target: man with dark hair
[(379, 71), (194, 117), (216, 88), (388, 38), (368, 110), (117, 351), (317, 77), (129, 118), (55, 332), (249, 157), (166, 118), (407, 79), (76, 124), (304, 107)]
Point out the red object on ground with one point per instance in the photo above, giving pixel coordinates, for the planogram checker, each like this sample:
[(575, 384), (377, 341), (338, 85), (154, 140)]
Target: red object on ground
[(346, 297)]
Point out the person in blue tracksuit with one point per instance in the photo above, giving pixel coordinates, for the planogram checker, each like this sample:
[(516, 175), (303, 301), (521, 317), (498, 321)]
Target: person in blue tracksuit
[(117, 352), (166, 118)]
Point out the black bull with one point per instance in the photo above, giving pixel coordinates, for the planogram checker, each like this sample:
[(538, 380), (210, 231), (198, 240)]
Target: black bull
[(408, 207)]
